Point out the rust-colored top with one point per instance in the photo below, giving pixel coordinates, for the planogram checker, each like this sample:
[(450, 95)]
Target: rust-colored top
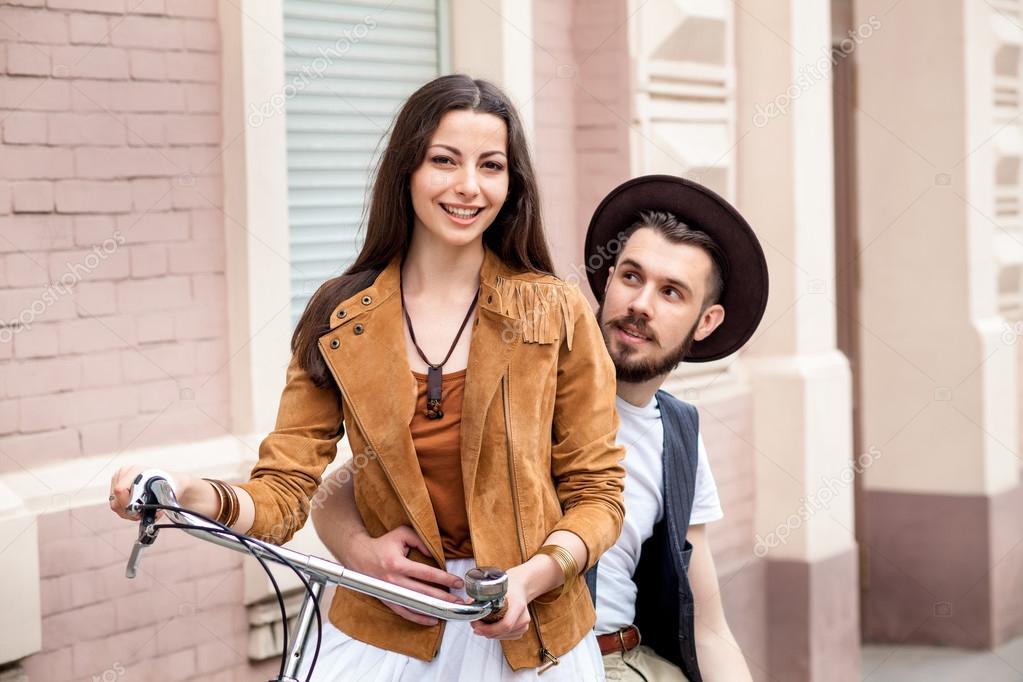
[(437, 444)]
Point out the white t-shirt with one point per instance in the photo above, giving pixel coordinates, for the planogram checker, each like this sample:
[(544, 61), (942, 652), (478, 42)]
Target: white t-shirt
[(641, 433)]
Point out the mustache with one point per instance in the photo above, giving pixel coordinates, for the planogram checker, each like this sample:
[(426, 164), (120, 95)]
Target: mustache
[(637, 323)]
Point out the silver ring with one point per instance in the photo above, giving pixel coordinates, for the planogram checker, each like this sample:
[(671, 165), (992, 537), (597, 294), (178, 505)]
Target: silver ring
[(110, 499)]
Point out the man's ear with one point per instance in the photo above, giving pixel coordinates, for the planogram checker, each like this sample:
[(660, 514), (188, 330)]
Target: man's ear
[(710, 319)]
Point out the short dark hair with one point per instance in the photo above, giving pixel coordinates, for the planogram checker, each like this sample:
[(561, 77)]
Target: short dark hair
[(677, 232)]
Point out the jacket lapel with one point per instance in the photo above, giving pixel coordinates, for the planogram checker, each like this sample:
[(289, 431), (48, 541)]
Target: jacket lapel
[(493, 340), (377, 386)]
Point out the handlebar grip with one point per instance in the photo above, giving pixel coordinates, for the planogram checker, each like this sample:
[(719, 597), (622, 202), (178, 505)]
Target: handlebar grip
[(495, 616)]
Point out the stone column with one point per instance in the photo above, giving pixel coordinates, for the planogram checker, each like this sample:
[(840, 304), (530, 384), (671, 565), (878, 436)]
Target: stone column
[(802, 399), (944, 516)]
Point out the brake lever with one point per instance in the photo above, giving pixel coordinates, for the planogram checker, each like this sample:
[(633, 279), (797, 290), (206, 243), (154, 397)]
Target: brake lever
[(139, 499)]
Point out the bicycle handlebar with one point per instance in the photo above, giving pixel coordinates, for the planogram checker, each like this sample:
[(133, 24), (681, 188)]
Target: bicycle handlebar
[(487, 586)]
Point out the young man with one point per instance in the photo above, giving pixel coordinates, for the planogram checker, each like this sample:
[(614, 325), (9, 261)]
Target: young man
[(665, 259), (681, 257)]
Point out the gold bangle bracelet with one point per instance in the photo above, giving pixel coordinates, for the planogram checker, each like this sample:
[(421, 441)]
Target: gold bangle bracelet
[(235, 506), (564, 559), (220, 499)]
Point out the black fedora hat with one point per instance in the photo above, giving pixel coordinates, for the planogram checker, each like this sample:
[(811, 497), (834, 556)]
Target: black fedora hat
[(744, 297)]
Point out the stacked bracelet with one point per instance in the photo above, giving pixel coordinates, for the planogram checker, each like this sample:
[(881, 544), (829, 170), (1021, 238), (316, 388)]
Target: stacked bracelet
[(564, 559), (229, 507)]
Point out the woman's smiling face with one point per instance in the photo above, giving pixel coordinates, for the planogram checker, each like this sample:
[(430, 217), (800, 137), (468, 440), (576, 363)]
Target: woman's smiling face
[(462, 183)]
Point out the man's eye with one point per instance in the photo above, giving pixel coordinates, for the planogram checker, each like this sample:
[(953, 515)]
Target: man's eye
[(673, 292)]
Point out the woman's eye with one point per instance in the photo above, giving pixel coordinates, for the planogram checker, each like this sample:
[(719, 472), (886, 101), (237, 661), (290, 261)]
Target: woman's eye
[(442, 160), (493, 165)]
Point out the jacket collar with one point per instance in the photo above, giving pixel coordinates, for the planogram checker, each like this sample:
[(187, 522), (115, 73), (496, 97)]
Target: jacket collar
[(366, 352)]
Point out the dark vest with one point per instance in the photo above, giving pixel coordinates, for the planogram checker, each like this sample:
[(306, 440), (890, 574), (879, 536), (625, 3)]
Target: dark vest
[(664, 600)]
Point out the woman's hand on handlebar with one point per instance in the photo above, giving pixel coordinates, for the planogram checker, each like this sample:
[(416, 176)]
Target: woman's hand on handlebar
[(386, 558), (123, 479), (516, 618)]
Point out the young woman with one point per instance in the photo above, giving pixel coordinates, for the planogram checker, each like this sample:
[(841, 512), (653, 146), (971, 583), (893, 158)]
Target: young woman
[(478, 399)]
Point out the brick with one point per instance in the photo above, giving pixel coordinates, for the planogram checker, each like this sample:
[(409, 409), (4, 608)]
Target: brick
[(84, 196), (23, 25), (154, 227), (147, 431), (151, 194), (166, 601), (31, 162), (72, 129), (207, 225), (34, 94), (148, 32), (55, 594), (155, 327), (198, 192), (5, 198), (105, 63), (89, 29), (195, 257), (79, 625), (91, 95), (148, 65), (156, 395), (38, 342), (148, 261), (99, 404), (28, 60), (108, 6), (26, 269), (125, 162), (200, 9), (202, 98), (8, 416), (37, 449), (205, 161), (161, 362), (96, 334), (145, 130), (33, 197), (194, 129), (39, 377), (50, 665), (201, 322), (193, 66), (210, 357), (41, 413), (201, 36), (28, 232), (166, 292), (115, 657), (101, 369), (145, 96), (91, 230), (34, 305), (103, 262), (96, 298), (107, 583), (24, 128)]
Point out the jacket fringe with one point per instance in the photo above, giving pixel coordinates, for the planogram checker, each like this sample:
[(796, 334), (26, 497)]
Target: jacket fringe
[(542, 309)]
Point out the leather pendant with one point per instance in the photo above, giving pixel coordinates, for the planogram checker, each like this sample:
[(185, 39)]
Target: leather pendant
[(434, 381)]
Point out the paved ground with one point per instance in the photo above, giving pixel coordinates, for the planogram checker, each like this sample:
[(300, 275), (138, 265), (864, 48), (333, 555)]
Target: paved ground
[(912, 663)]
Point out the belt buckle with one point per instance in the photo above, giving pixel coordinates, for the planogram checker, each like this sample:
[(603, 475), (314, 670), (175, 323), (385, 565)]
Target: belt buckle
[(621, 637)]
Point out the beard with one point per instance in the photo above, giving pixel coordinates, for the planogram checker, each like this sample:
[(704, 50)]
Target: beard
[(636, 371)]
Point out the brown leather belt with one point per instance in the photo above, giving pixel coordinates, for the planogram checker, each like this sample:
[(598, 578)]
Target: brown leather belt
[(624, 640)]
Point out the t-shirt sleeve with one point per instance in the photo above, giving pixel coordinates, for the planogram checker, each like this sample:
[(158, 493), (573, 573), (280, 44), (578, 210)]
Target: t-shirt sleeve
[(706, 504)]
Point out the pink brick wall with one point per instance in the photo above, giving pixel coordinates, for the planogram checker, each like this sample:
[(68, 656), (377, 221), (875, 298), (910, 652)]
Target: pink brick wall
[(112, 291), (113, 312), (180, 619)]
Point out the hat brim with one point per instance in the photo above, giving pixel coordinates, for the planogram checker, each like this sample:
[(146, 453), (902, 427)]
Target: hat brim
[(746, 284)]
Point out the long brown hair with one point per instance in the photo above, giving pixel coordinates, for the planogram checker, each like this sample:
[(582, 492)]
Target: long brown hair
[(516, 236)]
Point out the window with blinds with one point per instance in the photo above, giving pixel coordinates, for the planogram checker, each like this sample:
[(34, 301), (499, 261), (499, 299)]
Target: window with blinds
[(348, 68)]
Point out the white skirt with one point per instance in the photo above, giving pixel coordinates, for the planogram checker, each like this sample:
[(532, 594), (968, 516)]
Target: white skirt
[(463, 657)]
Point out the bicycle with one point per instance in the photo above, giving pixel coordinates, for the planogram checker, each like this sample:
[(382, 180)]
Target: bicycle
[(153, 491)]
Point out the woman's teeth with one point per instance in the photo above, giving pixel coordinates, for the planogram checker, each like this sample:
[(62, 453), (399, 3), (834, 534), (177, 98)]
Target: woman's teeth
[(462, 212)]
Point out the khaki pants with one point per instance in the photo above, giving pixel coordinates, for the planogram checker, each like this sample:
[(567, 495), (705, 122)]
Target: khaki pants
[(640, 665)]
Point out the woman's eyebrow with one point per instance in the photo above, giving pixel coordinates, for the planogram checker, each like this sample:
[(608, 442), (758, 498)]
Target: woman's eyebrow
[(457, 152)]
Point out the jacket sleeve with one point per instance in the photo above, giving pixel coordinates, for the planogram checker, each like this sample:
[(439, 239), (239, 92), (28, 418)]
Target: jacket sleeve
[(293, 457), (585, 459)]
